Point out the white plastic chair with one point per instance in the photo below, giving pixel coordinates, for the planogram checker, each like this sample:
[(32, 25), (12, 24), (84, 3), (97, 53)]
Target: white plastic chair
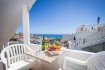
[(14, 58), (77, 60), (84, 61), (97, 61)]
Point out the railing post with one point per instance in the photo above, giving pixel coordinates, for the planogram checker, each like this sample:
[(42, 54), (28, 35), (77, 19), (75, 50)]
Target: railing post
[(3, 47), (8, 44)]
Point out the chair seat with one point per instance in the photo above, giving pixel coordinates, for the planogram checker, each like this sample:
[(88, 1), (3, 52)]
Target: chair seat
[(68, 69), (22, 65)]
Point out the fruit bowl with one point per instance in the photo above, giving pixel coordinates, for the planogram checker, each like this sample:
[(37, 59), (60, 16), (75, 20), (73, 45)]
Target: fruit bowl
[(53, 49), (53, 52)]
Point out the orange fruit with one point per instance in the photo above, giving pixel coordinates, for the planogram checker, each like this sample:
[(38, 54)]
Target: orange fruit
[(56, 49), (48, 48)]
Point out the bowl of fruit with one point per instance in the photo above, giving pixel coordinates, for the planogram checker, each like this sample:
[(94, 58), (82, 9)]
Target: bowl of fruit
[(53, 49)]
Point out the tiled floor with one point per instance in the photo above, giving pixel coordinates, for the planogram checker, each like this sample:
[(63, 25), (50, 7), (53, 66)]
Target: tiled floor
[(1, 66)]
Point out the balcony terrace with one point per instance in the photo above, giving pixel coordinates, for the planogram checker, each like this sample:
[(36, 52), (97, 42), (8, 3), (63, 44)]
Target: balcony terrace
[(14, 57)]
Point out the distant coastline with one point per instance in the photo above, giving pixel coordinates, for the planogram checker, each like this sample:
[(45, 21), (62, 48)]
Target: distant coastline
[(59, 36)]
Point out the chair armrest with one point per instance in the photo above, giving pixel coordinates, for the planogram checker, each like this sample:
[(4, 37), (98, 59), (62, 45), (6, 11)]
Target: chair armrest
[(73, 63), (81, 55), (3, 59)]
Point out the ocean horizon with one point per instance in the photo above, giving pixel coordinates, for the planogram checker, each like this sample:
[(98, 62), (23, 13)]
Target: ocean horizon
[(59, 36)]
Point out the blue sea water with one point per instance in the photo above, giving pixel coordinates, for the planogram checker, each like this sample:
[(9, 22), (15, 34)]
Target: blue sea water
[(59, 36)]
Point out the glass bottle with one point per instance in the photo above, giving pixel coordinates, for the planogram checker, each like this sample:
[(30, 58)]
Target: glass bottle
[(43, 43)]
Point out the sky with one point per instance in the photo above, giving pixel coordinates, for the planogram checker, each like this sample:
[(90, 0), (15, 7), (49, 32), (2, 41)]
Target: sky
[(64, 16)]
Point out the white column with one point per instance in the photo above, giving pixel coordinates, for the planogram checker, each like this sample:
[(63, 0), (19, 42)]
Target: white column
[(26, 30)]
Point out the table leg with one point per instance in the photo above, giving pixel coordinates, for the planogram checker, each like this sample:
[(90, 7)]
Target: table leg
[(50, 66), (38, 64)]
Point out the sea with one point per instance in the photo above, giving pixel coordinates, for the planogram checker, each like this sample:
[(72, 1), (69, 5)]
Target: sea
[(51, 36), (59, 36)]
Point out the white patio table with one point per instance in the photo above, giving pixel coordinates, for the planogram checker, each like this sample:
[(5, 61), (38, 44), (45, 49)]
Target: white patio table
[(45, 61)]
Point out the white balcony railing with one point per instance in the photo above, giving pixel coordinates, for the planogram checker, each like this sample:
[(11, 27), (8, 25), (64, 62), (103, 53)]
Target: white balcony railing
[(91, 28), (93, 39)]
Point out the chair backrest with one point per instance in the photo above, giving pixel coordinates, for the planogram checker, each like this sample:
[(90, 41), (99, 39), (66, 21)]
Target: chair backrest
[(97, 61), (14, 53)]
